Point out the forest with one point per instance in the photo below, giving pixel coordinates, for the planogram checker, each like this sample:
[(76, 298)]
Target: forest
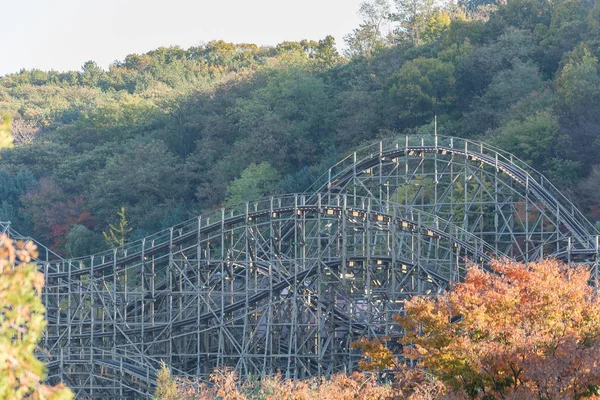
[(174, 132)]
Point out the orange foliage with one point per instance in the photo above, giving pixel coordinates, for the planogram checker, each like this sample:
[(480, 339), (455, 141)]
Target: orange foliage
[(520, 332), (21, 325), (415, 384), (376, 356), (227, 386)]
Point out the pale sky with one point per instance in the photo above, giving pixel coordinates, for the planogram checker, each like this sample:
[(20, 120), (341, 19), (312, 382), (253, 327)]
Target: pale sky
[(64, 34)]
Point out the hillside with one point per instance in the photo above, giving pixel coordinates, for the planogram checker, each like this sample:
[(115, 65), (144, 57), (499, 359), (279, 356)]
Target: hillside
[(175, 131)]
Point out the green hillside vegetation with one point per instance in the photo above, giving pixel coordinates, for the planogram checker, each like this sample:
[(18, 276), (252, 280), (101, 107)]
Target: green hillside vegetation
[(173, 132)]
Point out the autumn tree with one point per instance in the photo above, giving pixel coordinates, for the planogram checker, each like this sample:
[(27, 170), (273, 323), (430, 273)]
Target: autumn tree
[(226, 384), (166, 386), (519, 331), (53, 213), (377, 356), (21, 326)]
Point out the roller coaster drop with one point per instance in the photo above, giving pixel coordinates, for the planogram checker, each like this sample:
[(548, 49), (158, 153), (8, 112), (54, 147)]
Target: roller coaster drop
[(288, 282)]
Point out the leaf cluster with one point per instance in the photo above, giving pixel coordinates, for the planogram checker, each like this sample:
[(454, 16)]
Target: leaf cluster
[(520, 331), (21, 325)]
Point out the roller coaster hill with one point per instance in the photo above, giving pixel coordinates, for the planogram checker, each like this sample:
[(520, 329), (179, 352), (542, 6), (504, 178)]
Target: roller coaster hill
[(286, 283)]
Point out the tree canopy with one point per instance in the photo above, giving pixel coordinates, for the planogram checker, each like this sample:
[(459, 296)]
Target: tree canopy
[(170, 133), (515, 332)]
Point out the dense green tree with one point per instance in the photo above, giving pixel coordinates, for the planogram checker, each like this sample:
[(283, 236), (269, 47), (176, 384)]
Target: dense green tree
[(578, 100), (507, 87), (567, 28), (436, 26), (422, 88), (593, 23), (588, 189), (41, 159), (535, 139), (256, 181), (13, 186), (529, 15), (359, 114), (326, 53), (91, 74), (476, 69), (81, 241), (285, 120), (512, 84), (144, 178), (578, 81), (298, 182)]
